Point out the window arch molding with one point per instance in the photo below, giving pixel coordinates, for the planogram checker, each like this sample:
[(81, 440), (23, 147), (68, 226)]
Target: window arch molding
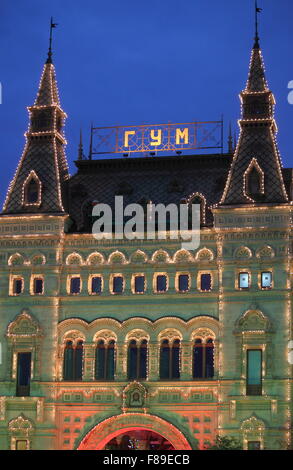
[(21, 429), (253, 166), (73, 355), (74, 259), (24, 333), (203, 204), (32, 196)]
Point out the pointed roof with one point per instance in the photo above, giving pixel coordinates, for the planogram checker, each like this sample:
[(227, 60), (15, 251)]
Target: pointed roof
[(48, 91), (257, 149), (256, 79), (43, 158)]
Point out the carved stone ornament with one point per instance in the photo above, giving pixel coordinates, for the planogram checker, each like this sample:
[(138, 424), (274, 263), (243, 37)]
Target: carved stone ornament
[(24, 325), (134, 395)]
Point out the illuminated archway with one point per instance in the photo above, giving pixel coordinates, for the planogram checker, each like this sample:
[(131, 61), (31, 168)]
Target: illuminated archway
[(104, 432)]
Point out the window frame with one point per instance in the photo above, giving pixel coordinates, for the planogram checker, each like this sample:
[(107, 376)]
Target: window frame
[(177, 281), (199, 274), (13, 278), (33, 278), (254, 389), (90, 278), (239, 272), (111, 284), (267, 271), (155, 276), (69, 278), (133, 283)]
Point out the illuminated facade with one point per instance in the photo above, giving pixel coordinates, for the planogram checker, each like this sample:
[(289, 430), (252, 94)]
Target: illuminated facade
[(137, 343)]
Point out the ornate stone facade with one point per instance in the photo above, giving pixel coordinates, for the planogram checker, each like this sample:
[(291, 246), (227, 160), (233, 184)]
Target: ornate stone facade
[(48, 241)]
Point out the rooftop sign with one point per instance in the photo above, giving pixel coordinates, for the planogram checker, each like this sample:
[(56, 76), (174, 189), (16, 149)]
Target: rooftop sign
[(157, 138)]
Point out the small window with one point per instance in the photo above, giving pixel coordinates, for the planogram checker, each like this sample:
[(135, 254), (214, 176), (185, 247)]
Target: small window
[(96, 285), (253, 445), (118, 284), (32, 193), (75, 285), (161, 283), (38, 287), (21, 444), (183, 282), (205, 282), (266, 280), (139, 284), (17, 286), (243, 280)]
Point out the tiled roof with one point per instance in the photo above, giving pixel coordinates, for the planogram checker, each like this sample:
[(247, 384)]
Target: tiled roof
[(158, 179)]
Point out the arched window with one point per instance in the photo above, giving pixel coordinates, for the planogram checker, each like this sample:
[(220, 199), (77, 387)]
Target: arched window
[(170, 359), (105, 360), (73, 361), (203, 359), (254, 182), (137, 360), (32, 190), (197, 198)]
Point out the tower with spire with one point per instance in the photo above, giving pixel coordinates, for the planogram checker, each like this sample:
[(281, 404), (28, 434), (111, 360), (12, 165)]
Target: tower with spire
[(39, 182), (256, 171)]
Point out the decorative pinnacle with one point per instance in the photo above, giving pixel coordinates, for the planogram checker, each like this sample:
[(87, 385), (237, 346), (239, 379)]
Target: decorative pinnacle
[(52, 25), (91, 143), (256, 39), (80, 147), (230, 139)]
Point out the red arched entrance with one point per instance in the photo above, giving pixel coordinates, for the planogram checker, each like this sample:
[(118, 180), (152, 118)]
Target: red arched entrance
[(134, 424)]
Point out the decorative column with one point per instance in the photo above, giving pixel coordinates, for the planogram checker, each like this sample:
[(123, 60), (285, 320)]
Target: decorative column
[(153, 361), (89, 362), (186, 361), (121, 361)]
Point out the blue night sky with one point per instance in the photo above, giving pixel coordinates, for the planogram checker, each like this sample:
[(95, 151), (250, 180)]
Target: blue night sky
[(139, 61)]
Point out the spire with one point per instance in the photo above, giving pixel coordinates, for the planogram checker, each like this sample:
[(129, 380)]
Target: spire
[(80, 147), (38, 184), (256, 171), (91, 143), (52, 25), (256, 37), (230, 140)]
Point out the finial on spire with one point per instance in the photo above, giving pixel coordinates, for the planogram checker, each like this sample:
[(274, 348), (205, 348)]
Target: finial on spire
[(257, 11), (52, 25), (91, 143), (230, 139), (80, 147)]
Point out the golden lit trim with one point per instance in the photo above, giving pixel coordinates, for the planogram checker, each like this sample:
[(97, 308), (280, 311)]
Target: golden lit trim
[(253, 164)]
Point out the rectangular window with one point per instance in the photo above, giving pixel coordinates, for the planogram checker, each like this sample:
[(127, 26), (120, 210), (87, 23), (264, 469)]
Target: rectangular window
[(75, 285), (266, 280), (139, 284), (205, 282), (253, 445), (183, 282), (21, 444), (96, 285), (118, 284), (254, 372), (243, 280), (161, 283), (38, 287), (17, 286), (23, 374)]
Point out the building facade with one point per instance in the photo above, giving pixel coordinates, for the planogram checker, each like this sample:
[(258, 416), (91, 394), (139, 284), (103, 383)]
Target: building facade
[(140, 343)]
